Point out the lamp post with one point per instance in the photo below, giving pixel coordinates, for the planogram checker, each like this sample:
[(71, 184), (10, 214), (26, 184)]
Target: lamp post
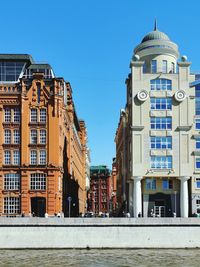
[(175, 192), (69, 204)]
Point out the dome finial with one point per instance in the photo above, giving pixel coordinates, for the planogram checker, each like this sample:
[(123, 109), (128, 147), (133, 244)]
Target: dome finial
[(155, 25)]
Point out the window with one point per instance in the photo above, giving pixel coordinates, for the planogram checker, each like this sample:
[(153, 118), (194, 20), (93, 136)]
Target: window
[(16, 157), (197, 163), (173, 67), (161, 162), (16, 115), (197, 180), (198, 201), (42, 157), (16, 136), (161, 84), (7, 157), (10, 71), (42, 115), (164, 66), (11, 205), (42, 136), (33, 115), (11, 181), (33, 137), (7, 115), (197, 124), (144, 68), (161, 123), (159, 142), (167, 184), (33, 157), (197, 99), (38, 181), (161, 103), (150, 184), (197, 143), (7, 136), (153, 66)]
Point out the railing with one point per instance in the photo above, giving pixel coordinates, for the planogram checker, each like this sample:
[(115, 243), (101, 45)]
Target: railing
[(9, 89)]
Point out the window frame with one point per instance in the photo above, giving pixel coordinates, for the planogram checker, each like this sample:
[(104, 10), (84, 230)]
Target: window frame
[(161, 123), (161, 162), (38, 181), (161, 103)]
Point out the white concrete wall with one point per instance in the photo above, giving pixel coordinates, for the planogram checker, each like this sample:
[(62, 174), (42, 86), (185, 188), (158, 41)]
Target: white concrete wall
[(21, 233)]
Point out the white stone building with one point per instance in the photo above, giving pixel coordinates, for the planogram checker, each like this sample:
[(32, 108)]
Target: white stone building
[(161, 164)]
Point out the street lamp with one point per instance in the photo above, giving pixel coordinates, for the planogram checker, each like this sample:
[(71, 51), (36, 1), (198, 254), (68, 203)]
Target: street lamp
[(69, 205), (175, 192)]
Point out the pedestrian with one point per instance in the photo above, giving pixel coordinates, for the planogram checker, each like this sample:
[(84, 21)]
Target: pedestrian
[(46, 215), (58, 214), (30, 214), (23, 214)]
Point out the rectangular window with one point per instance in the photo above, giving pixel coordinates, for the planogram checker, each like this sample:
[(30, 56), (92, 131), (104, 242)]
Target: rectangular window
[(161, 103), (33, 137), (7, 136), (167, 184), (161, 162), (198, 201), (33, 157), (197, 124), (197, 99), (16, 137), (153, 66), (161, 123), (197, 180), (42, 136), (16, 157), (42, 115), (7, 115), (33, 115), (16, 115), (164, 66), (38, 181), (42, 157), (161, 85), (7, 157), (150, 184), (197, 140), (11, 181), (159, 142), (11, 205)]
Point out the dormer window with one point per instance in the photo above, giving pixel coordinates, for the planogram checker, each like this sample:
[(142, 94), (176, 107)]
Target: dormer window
[(153, 66)]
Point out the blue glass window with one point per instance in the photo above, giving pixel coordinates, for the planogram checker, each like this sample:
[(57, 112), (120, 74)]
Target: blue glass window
[(197, 182), (197, 124), (167, 184), (159, 142), (150, 184), (197, 143), (161, 84), (197, 163), (161, 123), (10, 71), (161, 103), (161, 162), (153, 66)]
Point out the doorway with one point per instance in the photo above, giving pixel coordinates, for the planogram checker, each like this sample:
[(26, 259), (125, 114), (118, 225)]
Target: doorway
[(38, 206)]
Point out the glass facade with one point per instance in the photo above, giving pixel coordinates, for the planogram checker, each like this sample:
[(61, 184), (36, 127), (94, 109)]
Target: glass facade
[(10, 71)]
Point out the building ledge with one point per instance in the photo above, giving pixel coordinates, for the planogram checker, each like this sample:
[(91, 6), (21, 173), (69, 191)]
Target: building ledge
[(184, 128), (196, 153), (137, 128)]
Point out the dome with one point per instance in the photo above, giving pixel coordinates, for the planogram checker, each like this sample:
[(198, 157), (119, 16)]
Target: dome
[(155, 35)]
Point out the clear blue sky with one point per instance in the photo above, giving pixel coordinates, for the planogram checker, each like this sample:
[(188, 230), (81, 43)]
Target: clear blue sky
[(90, 44)]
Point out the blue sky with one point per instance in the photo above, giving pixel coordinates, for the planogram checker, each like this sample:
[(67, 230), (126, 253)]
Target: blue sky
[(90, 43)]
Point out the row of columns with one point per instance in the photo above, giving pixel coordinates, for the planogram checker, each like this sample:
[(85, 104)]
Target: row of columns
[(135, 196)]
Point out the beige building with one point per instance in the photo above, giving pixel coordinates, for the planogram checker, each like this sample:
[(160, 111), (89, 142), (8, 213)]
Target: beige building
[(162, 139)]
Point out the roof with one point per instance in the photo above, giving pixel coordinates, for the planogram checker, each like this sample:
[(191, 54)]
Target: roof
[(155, 35), (20, 57), (39, 66)]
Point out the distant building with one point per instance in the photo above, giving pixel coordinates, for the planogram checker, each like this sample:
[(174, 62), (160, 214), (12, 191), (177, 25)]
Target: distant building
[(158, 136), (100, 189), (42, 141)]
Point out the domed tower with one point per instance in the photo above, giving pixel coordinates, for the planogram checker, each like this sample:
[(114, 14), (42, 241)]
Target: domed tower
[(158, 52)]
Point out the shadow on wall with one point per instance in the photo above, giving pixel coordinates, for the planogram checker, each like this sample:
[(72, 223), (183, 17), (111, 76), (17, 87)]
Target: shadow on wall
[(70, 188)]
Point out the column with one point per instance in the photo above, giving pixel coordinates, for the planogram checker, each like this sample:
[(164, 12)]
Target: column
[(184, 196), (131, 198), (137, 196)]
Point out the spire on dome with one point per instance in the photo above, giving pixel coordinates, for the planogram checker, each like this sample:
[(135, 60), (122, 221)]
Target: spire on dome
[(155, 25)]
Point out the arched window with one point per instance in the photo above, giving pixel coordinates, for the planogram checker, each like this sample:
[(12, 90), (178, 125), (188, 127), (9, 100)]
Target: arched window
[(161, 84)]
